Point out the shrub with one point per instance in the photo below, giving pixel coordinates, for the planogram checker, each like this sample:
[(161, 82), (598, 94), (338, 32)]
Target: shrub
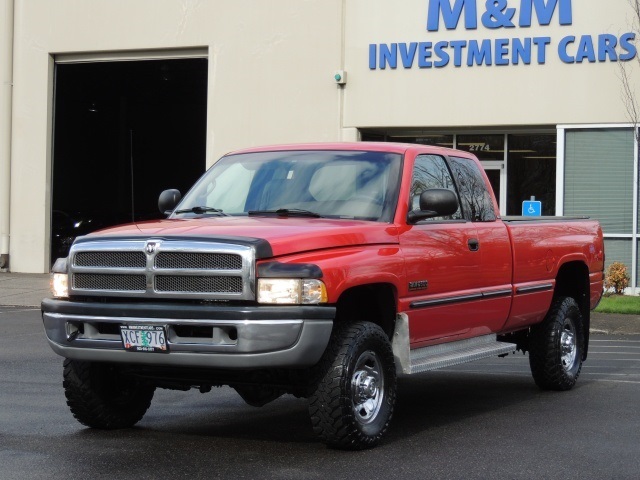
[(617, 277)]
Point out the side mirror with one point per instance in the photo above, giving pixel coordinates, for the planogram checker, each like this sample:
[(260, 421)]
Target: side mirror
[(168, 200), (435, 202)]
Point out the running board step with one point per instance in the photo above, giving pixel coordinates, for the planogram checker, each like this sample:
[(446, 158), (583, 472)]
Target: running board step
[(455, 353)]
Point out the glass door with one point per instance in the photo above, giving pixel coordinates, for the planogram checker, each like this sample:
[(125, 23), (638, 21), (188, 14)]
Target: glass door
[(532, 171)]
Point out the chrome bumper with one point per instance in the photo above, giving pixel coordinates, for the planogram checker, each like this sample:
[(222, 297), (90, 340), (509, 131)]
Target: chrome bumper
[(197, 336)]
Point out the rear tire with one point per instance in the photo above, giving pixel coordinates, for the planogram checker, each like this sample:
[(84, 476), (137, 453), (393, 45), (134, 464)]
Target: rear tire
[(557, 346), (353, 402), (99, 397)]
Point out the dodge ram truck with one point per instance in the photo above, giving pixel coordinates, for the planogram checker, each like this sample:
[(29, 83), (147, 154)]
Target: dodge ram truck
[(324, 271)]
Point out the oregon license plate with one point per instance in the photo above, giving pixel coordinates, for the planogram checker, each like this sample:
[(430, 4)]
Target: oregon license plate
[(144, 338)]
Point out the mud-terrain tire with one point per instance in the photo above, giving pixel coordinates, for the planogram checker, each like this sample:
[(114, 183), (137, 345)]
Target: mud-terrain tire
[(101, 398), (353, 402), (556, 346)]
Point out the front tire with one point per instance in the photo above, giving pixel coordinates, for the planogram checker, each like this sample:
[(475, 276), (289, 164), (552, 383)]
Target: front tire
[(99, 397), (353, 402), (557, 346)]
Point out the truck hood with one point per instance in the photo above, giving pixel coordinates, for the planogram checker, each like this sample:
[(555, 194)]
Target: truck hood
[(285, 235)]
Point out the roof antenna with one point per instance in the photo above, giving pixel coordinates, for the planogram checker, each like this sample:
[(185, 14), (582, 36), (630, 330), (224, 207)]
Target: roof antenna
[(133, 218)]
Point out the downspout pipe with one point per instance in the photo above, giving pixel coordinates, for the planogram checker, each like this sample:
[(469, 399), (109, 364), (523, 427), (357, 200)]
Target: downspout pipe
[(6, 95)]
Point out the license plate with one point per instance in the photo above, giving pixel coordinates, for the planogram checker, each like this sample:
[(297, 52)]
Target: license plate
[(144, 338)]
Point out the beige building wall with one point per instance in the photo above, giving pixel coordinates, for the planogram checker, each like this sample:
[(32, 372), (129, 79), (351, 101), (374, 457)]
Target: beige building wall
[(549, 94), (271, 66)]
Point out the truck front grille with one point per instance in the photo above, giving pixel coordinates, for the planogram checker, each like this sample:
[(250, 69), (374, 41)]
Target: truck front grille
[(111, 259), (162, 269), (167, 283), (101, 281), (199, 261)]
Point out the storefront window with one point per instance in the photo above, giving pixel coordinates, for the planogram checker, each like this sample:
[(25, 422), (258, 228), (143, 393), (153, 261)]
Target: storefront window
[(494, 179), (619, 250), (530, 158), (531, 172), (599, 177), (485, 147), (434, 139)]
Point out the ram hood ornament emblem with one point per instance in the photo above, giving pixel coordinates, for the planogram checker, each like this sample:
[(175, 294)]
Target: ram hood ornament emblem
[(151, 247)]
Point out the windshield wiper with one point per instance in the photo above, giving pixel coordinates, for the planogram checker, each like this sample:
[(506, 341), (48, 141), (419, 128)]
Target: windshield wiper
[(286, 212), (200, 210)]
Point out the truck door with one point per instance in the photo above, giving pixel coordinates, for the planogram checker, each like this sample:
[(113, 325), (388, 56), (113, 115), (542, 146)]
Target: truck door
[(494, 244), (442, 263)]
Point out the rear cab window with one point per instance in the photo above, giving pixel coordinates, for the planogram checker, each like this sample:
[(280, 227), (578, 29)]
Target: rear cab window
[(475, 199)]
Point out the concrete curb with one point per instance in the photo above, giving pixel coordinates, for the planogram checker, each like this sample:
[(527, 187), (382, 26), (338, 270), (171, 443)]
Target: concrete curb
[(614, 324)]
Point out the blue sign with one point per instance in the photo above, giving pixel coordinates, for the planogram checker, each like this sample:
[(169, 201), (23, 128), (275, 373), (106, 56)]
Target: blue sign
[(508, 49), (531, 208), (496, 14)]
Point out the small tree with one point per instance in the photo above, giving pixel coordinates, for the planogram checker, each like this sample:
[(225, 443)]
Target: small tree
[(617, 277), (629, 83)]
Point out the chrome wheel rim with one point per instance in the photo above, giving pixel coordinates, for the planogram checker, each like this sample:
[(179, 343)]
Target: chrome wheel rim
[(367, 387), (568, 345)]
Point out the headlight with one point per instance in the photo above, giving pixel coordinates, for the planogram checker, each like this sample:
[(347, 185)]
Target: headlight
[(292, 291), (60, 279), (60, 285)]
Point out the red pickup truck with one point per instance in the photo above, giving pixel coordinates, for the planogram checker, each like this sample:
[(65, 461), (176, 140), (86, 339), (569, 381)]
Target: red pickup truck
[(322, 271)]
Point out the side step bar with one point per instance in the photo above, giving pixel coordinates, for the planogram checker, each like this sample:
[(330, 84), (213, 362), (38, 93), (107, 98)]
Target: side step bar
[(444, 355), (455, 353)]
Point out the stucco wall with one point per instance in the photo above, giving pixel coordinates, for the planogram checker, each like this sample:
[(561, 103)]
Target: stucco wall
[(271, 65)]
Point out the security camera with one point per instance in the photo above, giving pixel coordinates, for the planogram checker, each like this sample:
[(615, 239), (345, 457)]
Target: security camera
[(340, 77)]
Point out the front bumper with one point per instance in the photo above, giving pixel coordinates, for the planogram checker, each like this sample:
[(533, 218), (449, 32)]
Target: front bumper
[(197, 335)]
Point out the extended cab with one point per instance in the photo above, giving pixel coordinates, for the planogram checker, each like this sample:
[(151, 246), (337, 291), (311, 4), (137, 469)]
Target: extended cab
[(322, 271)]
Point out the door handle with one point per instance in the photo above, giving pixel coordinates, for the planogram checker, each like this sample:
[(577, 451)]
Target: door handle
[(474, 244)]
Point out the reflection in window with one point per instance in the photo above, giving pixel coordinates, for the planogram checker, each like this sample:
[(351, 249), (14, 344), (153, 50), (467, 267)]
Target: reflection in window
[(231, 186), (477, 204), (430, 171), (336, 184)]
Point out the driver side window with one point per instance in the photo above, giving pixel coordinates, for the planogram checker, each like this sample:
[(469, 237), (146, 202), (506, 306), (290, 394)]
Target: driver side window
[(431, 171)]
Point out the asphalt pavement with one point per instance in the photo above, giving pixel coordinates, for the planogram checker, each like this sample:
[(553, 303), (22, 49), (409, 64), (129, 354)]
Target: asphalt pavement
[(28, 290), (476, 421)]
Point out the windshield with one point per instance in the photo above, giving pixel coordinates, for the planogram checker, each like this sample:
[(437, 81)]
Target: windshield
[(319, 183)]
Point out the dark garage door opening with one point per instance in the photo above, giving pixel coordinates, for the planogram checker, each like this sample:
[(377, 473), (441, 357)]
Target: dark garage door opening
[(124, 131)]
